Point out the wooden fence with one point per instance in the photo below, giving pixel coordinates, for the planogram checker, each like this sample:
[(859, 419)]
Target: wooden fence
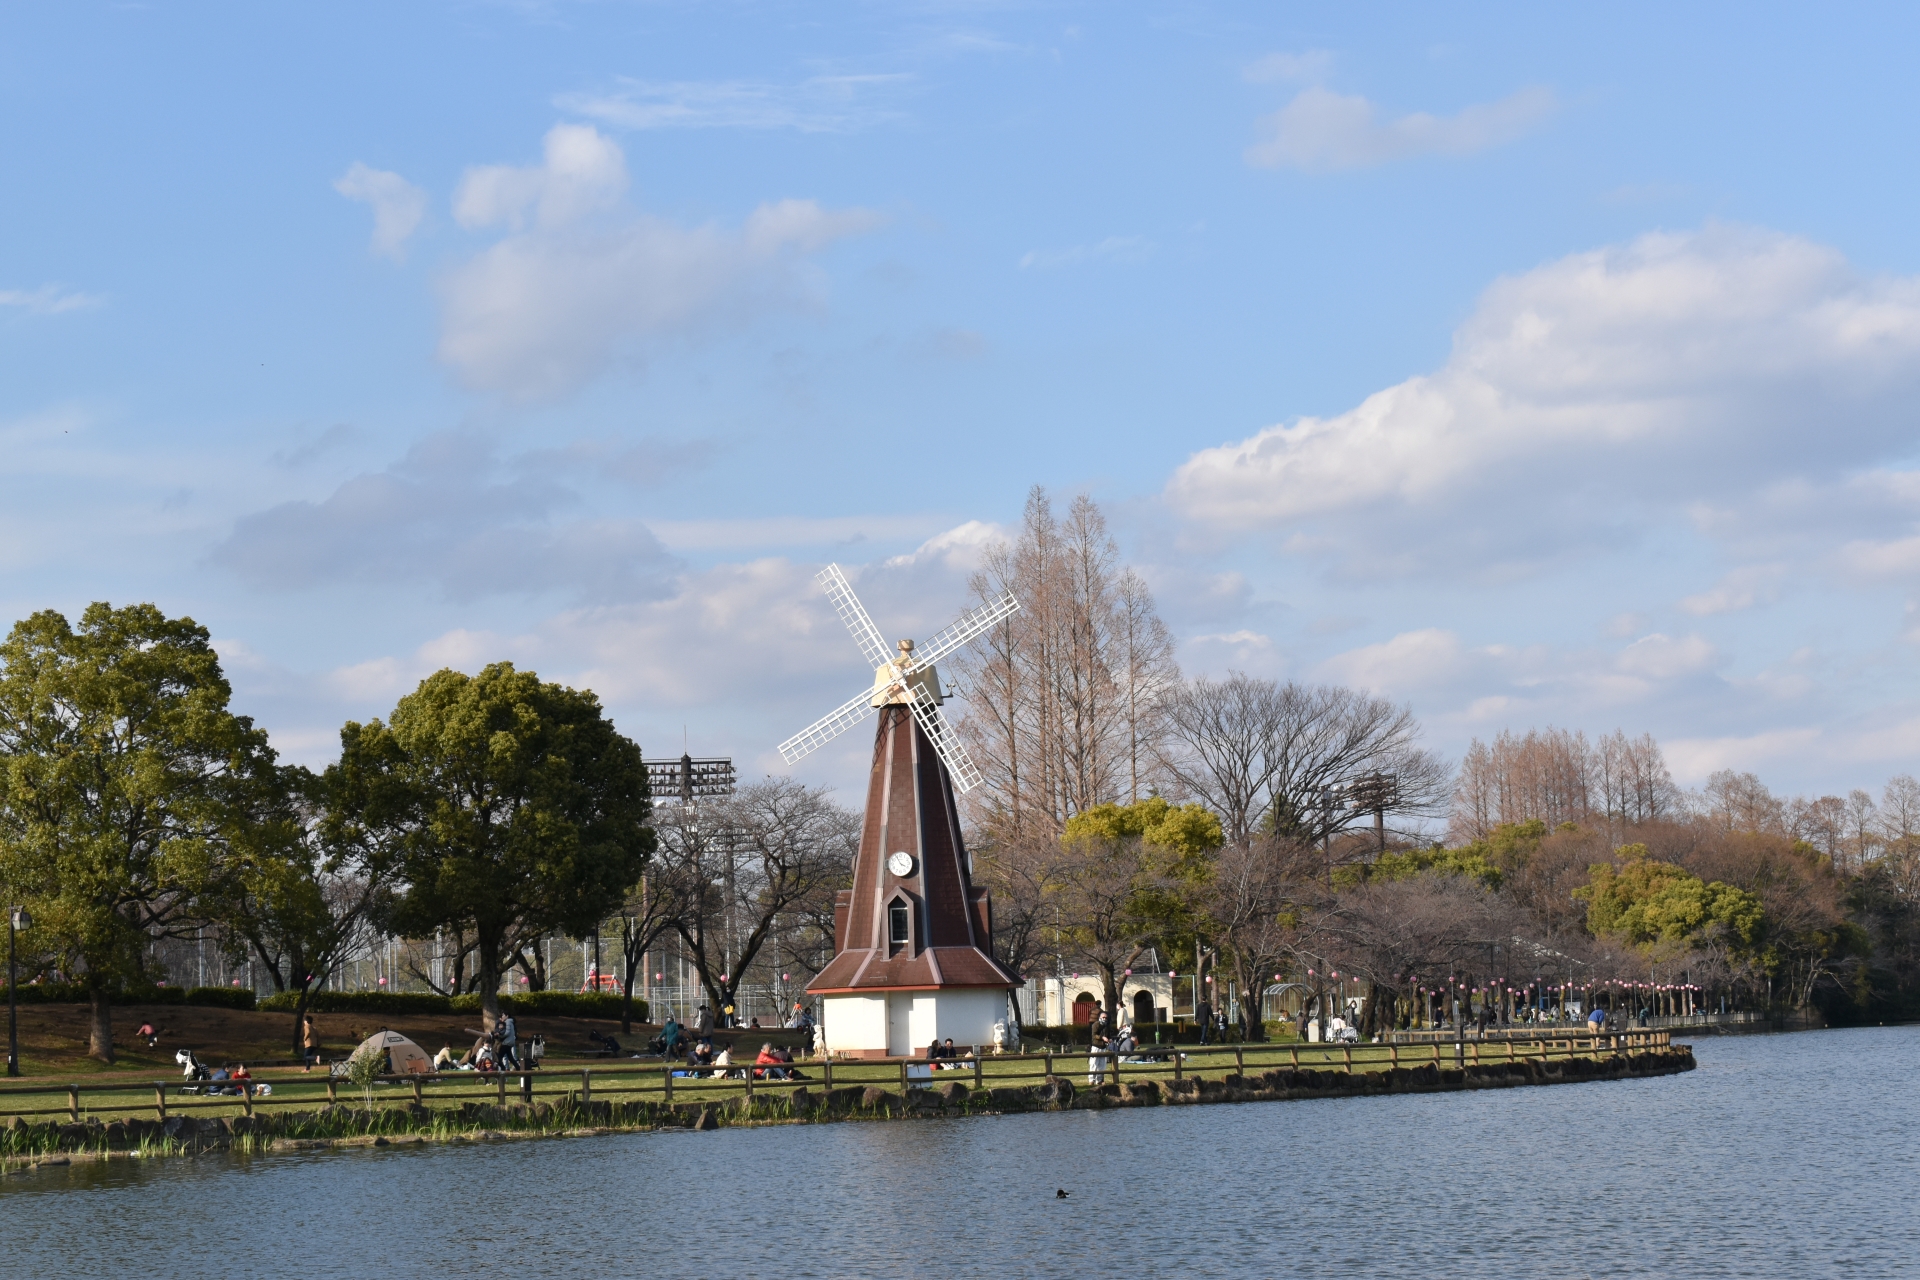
[(669, 1082)]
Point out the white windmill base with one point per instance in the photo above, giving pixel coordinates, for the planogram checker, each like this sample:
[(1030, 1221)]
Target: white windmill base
[(901, 1024)]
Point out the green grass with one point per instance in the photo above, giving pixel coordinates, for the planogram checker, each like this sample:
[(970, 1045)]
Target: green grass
[(630, 1081)]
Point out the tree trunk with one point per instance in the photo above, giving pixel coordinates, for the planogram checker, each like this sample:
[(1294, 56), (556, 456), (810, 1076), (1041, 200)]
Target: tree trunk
[(487, 966), (100, 1033)]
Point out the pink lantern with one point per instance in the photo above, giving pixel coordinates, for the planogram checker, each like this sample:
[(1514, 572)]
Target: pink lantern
[(383, 982), (659, 977), (785, 978)]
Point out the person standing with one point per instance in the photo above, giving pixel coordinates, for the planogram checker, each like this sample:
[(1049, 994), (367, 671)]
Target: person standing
[(309, 1042), (1204, 1016), (703, 1021), (509, 1042)]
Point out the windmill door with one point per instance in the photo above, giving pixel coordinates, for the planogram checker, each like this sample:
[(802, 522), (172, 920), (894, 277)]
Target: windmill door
[(900, 1025)]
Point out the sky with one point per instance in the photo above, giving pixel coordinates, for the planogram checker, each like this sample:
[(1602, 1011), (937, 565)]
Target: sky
[(1525, 365)]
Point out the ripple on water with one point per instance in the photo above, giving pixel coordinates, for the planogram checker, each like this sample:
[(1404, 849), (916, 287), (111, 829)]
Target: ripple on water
[(1782, 1156)]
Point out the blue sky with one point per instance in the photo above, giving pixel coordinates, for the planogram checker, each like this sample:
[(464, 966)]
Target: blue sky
[(1531, 367)]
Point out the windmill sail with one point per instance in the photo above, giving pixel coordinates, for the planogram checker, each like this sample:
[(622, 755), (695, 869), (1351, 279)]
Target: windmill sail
[(969, 625), (872, 644), (828, 727), (933, 723)]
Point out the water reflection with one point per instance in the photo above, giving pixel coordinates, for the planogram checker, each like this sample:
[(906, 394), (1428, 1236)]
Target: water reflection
[(1782, 1156)]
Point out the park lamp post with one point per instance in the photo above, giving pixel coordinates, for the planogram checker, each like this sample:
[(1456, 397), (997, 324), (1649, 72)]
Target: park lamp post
[(17, 919)]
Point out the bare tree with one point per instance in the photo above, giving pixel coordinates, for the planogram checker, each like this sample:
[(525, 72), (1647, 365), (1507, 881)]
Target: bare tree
[(1289, 760), (1100, 891), (1061, 707), (729, 871), (1259, 908), (1019, 873)]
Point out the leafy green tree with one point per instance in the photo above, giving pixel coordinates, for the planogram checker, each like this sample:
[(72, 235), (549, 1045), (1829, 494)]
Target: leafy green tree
[(513, 808), (1657, 905), (1128, 875), (126, 787), (301, 901)]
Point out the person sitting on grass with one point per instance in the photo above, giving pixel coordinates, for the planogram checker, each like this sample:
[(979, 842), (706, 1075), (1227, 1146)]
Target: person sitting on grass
[(702, 1055), (723, 1064), (769, 1060), (443, 1060)]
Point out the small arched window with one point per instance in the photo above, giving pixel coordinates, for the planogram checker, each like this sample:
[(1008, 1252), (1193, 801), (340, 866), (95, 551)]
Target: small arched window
[(899, 926)]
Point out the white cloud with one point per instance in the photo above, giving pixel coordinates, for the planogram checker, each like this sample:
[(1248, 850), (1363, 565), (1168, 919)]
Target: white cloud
[(765, 532), (1323, 130), (1310, 65), (1692, 759), (398, 205), (1740, 589), (48, 300), (1677, 377), (1127, 249), (453, 514), (1660, 657), (1410, 660), (579, 281), (819, 104)]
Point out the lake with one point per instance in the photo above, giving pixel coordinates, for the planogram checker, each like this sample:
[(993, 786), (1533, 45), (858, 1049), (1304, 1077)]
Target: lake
[(1782, 1156)]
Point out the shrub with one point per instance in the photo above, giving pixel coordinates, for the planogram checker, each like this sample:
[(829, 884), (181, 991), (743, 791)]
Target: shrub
[(220, 997), (552, 1004), (362, 1002)]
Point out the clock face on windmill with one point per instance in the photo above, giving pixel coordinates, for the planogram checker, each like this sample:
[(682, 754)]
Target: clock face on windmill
[(901, 864)]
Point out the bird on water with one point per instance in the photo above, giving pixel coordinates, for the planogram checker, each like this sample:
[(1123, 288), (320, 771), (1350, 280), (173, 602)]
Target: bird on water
[(1061, 1193)]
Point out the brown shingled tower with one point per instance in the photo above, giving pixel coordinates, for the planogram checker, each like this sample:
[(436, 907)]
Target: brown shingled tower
[(913, 939)]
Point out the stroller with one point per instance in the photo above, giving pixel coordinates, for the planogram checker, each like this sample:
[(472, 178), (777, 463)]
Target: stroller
[(606, 1046)]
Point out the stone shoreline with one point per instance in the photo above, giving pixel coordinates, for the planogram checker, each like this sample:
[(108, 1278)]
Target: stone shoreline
[(25, 1147)]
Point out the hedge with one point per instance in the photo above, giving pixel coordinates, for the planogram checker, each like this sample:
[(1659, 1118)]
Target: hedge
[(76, 993), (553, 1004)]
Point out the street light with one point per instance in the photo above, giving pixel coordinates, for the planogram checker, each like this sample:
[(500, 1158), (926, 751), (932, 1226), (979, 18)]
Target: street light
[(17, 919)]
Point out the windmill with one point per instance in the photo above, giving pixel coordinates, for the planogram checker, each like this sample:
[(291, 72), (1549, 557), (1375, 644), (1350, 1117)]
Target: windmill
[(913, 938), (904, 676)]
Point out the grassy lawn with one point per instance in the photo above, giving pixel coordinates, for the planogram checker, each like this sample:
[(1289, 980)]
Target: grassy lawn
[(104, 1097)]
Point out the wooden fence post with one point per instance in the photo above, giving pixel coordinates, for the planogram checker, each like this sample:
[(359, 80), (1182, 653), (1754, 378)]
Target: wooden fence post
[(333, 1091), (586, 1084), (526, 1088), (826, 1066), (246, 1096), (979, 1070), (903, 1077), (1346, 1052), (73, 1102), (666, 1079), (160, 1098), (748, 1076), (500, 1084), (1293, 1056), (1049, 1057), (1393, 1054)]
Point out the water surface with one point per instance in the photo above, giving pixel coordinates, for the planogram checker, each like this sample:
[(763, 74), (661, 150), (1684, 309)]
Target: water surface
[(1782, 1156)]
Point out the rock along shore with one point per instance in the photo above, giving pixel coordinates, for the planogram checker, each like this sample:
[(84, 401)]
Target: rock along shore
[(24, 1147)]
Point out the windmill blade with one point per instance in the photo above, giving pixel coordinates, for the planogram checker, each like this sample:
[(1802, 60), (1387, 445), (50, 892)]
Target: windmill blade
[(854, 614), (968, 626), (933, 723), (828, 727)]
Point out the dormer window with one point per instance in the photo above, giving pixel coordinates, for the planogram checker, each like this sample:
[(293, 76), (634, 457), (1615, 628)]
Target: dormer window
[(899, 926)]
